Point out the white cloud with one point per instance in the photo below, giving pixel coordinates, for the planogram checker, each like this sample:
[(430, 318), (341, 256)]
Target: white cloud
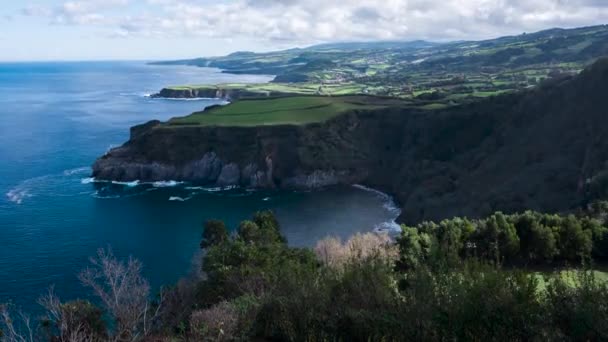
[(301, 22)]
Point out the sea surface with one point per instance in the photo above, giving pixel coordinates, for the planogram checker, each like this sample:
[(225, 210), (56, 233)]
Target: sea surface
[(56, 118)]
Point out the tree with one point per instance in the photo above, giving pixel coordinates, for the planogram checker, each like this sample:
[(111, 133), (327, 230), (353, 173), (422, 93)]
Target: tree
[(10, 332), (497, 238), (250, 232), (214, 233), (411, 248), (269, 225), (537, 240), (123, 292), (574, 242), (75, 321)]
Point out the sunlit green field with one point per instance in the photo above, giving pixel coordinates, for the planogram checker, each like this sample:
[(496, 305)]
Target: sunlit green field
[(296, 110), (571, 277)]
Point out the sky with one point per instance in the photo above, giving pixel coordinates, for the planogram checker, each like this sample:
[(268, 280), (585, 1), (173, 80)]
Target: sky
[(39, 30)]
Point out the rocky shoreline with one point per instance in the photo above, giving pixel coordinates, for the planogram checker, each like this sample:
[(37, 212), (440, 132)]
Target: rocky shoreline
[(213, 92)]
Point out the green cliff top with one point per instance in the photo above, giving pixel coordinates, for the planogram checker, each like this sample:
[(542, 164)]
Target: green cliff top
[(296, 110)]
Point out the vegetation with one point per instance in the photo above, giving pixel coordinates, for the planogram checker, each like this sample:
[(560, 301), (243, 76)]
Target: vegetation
[(428, 286), (530, 238), (277, 111), (461, 70)]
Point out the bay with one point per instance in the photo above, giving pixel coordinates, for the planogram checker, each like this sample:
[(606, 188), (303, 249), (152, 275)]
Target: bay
[(56, 118)]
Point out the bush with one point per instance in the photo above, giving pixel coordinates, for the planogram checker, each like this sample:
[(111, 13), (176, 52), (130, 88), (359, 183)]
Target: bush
[(578, 312), (218, 323), (333, 253)]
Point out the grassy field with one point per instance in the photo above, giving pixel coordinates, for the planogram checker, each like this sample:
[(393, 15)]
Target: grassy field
[(296, 110), (570, 276)]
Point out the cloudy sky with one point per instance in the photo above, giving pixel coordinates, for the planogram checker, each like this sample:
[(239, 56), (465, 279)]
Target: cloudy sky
[(166, 29)]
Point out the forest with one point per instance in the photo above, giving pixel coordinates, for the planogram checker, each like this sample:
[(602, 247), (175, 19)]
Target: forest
[(520, 277)]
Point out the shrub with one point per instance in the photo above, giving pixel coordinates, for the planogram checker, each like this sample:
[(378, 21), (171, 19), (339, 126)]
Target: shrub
[(333, 253), (218, 323)]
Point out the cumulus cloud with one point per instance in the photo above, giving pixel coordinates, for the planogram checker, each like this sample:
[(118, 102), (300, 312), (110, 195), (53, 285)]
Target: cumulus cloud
[(309, 21)]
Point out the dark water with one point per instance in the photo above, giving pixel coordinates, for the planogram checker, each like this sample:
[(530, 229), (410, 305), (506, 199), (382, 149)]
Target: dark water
[(56, 118)]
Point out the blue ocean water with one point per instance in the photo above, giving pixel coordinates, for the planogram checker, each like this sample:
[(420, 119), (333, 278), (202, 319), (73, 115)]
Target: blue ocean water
[(56, 118)]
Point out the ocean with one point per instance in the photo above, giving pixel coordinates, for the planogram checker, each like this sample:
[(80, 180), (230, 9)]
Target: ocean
[(57, 118)]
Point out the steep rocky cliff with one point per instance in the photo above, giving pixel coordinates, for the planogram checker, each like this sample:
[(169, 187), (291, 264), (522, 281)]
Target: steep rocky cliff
[(214, 92), (545, 149)]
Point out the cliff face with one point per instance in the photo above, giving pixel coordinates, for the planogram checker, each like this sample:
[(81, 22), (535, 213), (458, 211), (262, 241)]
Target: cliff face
[(219, 93), (267, 156), (543, 150)]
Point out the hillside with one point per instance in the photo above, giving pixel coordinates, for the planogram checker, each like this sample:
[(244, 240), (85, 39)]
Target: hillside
[(409, 69), (543, 149)]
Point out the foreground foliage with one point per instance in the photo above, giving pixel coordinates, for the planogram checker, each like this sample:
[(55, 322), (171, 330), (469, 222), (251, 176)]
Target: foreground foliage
[(429, 286)]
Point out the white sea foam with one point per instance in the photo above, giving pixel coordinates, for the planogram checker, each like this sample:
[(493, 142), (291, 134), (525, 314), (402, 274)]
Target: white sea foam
[(138, 94), (195, 188), (266, 199), (390, 227), (129, 184), (88, 180), (216, 189), (389, 204), (110, 148), (166, 184), (17, 195), (97, 195), (77, 171), (179, 199), (26, 188)]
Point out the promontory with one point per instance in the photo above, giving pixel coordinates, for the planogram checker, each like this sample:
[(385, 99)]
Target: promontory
[(544, 148)]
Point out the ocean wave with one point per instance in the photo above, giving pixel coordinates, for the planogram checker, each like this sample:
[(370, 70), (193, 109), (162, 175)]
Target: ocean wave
[(137, 94), (166, 184), (110, 148), (88, 180), (212, 189), (77, 171), (179, 199), (129, 184), (389, 227), (195, 188), (389, 203), (97, 194), (26, 188), (18, 195)]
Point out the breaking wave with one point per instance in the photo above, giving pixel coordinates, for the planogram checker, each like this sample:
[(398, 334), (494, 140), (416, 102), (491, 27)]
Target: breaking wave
[(391, 227), (77, 171), (51, 185), (179, 199), (165, 184)]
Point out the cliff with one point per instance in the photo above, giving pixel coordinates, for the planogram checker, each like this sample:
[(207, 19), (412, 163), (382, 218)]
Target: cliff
[(545, 149), (214, 92)]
